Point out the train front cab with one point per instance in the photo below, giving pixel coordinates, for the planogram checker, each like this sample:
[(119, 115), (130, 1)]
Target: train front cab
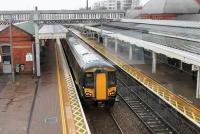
[(100, 85)]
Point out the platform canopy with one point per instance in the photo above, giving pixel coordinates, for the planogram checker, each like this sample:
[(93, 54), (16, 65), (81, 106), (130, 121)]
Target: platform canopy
[(52, 32)]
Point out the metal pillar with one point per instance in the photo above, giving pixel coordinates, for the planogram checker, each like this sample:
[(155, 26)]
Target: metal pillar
[(93, 37), (11, 50), (99, 37), (37, 44), (154, 61), (130, 52), (116, 45), (91, 34), (33, 58), (198, 84), (105, 41), (181, 65)]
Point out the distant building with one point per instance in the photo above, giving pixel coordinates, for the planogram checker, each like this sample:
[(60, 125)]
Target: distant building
[(115, 4), (99, 5), (165, 10), (111, 4), (126, 4), (168, 9), (135, 3)]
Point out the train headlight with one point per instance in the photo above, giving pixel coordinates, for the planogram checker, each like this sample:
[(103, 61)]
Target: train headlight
[(87, 94), (112, 93)]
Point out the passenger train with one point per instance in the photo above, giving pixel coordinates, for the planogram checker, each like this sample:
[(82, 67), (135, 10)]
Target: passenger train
[(94, 76)]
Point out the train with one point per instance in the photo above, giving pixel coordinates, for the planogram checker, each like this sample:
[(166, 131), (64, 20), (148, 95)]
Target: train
[(94, 76)]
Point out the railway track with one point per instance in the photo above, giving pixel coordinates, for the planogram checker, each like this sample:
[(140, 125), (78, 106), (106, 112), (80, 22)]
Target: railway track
[(159, 107), (116, 123), (101, 120), (154, 123)]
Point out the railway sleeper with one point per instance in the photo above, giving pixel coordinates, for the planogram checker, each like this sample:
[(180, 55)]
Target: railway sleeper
[(164, 131)]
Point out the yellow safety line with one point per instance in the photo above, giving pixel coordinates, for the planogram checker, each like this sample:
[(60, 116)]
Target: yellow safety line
[(63, 120)]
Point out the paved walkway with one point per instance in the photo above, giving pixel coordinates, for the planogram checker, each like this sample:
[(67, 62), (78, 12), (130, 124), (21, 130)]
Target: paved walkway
[(176, 81), (46, 117), (15, 103)]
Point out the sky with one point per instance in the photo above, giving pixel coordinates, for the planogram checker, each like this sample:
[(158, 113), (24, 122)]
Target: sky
[(44, 4)]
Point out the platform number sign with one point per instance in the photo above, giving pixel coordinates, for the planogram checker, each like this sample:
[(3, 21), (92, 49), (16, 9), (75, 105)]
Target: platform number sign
[(29, 57)]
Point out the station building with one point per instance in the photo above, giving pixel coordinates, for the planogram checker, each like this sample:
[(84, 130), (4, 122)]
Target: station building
[(22, 44), (165, 9)]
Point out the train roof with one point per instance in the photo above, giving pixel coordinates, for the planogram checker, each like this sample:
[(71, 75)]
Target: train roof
[(85, 56)]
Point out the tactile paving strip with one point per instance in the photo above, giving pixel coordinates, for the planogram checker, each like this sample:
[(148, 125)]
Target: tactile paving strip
[(81, 126), (181, 105)]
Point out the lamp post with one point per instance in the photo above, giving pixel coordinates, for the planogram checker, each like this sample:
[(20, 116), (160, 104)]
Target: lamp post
[(11, 50), (86, 4)]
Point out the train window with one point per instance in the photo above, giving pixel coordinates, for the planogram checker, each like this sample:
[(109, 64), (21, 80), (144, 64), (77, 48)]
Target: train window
[(111, 79), (89, 80)]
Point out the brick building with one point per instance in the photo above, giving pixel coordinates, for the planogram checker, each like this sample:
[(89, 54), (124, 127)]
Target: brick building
[(22, 42), (168, 9)]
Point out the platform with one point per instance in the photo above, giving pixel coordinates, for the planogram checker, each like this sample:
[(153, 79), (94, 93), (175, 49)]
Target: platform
[(46, 116), (170, 77), (53, 111), (49, 104), (15, 103), (181, 105)]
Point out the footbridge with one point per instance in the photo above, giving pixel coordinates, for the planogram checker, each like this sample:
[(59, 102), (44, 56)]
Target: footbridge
[(61, 16)]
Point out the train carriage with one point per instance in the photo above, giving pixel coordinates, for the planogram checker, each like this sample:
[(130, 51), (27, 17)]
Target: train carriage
[(94, 76)]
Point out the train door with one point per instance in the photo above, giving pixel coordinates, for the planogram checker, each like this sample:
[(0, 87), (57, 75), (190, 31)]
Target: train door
[(101, 86)]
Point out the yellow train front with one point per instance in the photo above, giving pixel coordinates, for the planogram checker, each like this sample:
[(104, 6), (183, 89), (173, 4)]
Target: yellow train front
[(94, 76)]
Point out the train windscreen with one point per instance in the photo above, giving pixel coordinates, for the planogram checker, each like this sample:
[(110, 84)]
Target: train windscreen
[(111, 79), (89, 80)]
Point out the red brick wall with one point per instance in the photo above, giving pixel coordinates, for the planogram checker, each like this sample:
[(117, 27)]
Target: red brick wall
[(158, 16), (198, 1), (22, 44)]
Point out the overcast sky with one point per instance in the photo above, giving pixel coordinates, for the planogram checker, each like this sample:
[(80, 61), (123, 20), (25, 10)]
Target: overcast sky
[(44, 4)]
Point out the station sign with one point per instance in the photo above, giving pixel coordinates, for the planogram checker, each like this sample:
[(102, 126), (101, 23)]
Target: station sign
[(29, 57)]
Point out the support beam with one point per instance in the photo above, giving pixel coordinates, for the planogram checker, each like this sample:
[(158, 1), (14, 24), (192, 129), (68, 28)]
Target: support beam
[(37, 49), (154, 61), (99, 36), (181, 65), (106, 41), (130, 52), (93, 35), (33, 58), (198, 84), (116, 45), (88, 33), (37, 43)]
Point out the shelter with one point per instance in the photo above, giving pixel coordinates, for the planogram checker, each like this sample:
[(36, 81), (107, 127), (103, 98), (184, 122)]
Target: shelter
[(22, 44)]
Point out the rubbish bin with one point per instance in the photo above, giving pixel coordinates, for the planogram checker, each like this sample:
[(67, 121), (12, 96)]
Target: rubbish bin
[(22, 67), (17, 68)]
